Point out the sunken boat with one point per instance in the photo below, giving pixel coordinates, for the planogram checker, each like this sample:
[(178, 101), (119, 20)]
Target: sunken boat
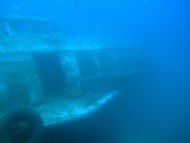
[(45, 81)]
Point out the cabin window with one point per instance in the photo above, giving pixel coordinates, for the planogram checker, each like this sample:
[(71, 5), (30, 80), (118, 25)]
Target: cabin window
[(3, 29), (29, 26), (87, 64), (19, 26), (106, 63), (39, 27), (125, 64)]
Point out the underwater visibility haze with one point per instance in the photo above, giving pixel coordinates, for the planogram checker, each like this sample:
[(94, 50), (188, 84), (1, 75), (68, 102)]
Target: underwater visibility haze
[(99, 51)]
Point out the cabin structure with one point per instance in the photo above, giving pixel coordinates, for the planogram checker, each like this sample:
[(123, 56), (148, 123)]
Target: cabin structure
[(60, 81)]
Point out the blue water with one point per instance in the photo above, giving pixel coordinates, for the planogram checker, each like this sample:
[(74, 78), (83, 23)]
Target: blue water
[(157, 111)]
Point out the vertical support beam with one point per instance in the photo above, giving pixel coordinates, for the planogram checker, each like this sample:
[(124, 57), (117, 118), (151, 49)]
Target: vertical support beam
[(75, 64), (9, 29), (115, 61), (29, 27), (49, 27), (97, 63)]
